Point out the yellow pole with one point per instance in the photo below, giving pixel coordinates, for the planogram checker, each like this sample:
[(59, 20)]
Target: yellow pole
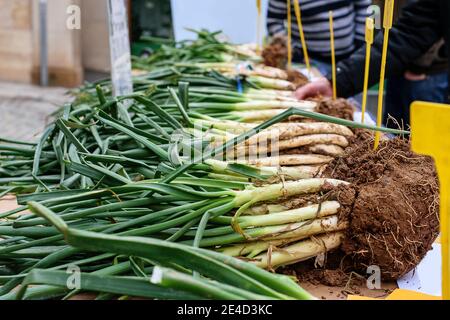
[(333, 56), (289, 33), (369, 40), (387, 24), (302, 34), (259, 26)]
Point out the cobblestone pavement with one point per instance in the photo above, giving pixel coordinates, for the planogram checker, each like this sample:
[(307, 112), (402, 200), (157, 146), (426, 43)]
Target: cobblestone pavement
[(25, 110)]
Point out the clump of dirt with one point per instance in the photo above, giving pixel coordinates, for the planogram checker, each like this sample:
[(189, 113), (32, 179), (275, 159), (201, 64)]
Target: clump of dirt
[(327, 277), (335, 273), (392, 205), (339, 108), (332, 278), (297, 78), (275, 54)]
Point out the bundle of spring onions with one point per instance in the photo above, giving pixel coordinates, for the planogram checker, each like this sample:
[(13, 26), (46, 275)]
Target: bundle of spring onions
[(128, 205), (206, 48)]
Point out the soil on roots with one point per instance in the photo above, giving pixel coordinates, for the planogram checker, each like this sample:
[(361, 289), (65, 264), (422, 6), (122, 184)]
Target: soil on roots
[(339, 108), (297, 78), (392, 205), (334, 273), (275, 54)]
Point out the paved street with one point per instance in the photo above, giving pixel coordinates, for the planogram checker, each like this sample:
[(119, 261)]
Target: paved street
[(25, 109)]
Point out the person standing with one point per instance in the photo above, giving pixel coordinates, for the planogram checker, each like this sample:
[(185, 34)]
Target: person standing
[(421, 25), (349, 28), (424, 80)]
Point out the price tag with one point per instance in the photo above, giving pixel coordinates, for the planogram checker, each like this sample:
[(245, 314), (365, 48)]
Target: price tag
[(119, 43)]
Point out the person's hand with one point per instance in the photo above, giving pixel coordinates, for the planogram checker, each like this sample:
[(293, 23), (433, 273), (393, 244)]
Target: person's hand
[(321, 87), (414, 76)]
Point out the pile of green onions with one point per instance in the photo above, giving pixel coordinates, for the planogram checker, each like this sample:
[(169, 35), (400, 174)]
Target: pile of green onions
[(129, 208)]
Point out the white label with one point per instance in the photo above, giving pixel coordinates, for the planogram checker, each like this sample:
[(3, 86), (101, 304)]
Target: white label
[(119, 43)]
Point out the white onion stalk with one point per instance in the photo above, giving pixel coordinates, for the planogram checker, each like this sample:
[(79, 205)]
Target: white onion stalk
[(227, 125), (288, 160), (300, 141), (291, 130), (245, 51), (327, 149), (287, 189), (263, 147), (243, 199), (310, 228), (292, 173), (271, 72), (253, 96), (255, 116), (292, 231), (252, 248), (287, 173), (256, 71), (267, 105), (268, 83), (271, 92), (215, 136), (281, 130), (228, 177), (265, 209), (324, 209), (236, 68), (300, 251)]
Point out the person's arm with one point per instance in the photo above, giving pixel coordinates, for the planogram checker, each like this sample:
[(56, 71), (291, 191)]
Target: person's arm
[(276, 16), (416, 31), (360, 20)]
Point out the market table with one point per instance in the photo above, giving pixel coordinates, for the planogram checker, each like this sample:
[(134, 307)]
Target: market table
[(320, 291)]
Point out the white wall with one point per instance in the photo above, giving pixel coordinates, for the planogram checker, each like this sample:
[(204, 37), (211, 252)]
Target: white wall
[(95, 35), (236, 18)]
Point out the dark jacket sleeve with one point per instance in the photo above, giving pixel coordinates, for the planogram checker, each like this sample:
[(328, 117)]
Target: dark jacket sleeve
[(416, 31)]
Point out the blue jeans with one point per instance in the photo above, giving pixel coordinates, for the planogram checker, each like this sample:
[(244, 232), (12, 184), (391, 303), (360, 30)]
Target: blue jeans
[(323, 67), (400, 93)]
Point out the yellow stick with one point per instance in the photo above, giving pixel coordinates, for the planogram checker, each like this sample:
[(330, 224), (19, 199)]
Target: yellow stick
[(289, 33), (333, 57), (369, 40), (387, 24), (302, 34), (259, 27)]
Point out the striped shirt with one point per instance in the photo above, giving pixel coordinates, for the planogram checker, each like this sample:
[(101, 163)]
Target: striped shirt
[(349, 25)]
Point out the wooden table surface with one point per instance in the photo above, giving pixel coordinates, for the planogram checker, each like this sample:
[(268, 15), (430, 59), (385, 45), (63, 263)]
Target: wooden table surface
[(320, 291)]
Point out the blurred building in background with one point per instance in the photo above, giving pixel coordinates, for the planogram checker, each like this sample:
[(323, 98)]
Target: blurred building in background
[(71, 52), (74, 55)]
